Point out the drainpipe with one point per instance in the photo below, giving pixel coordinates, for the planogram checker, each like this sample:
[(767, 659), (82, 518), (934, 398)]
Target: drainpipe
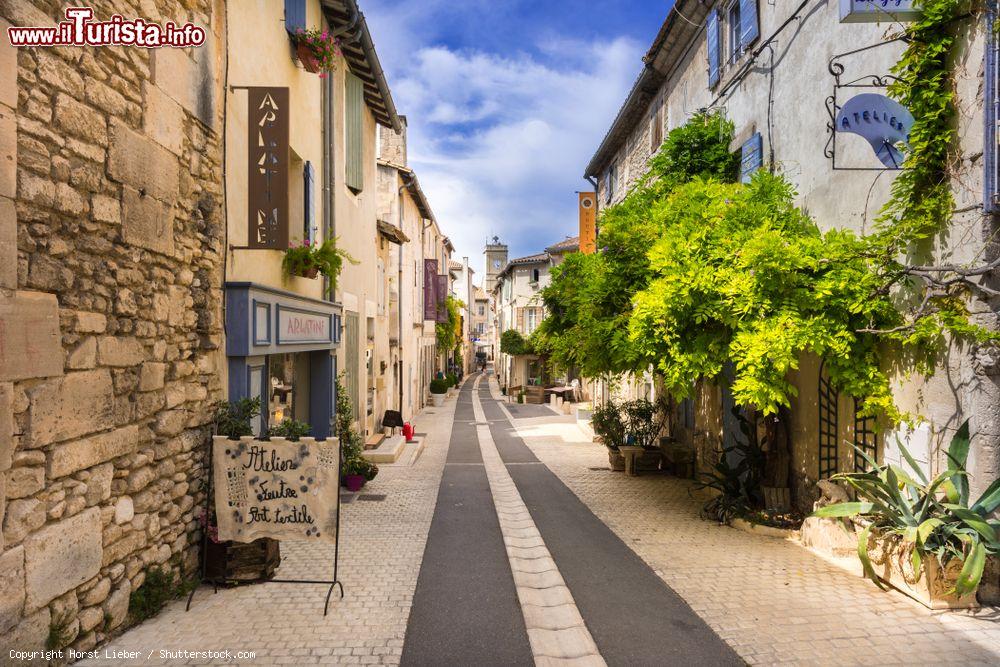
[(407, 181), (329, 192)]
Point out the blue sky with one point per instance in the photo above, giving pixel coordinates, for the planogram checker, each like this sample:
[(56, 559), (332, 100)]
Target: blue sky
[(506, 103)]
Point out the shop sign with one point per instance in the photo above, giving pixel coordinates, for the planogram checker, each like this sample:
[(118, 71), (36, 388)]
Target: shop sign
[(430, 289), (877, 11), (442, 298), (883, 122), (279, 489), (299, 326), (267, 167)]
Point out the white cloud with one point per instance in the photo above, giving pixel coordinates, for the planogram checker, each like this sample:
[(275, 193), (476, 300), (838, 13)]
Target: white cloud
[(500, 142)]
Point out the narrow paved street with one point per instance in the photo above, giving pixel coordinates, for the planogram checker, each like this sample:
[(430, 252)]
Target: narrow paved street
[(509, 542)]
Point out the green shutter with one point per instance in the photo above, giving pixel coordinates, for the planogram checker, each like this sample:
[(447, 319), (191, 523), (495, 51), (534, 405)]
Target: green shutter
[(354, 119)]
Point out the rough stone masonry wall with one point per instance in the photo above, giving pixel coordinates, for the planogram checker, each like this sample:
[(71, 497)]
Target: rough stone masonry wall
[(110, 318)]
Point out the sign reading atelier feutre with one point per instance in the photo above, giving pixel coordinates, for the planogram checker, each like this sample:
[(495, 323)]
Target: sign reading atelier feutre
[(267, 167), (280, 489)]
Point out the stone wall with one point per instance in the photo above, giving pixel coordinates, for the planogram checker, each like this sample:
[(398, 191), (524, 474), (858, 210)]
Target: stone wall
[(110, 317)]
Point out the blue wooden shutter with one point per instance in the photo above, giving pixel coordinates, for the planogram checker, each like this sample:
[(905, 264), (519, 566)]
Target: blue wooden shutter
[(295, 15), (752, 157), (714, 39), (309, 203), (749, 26), (991, 94)]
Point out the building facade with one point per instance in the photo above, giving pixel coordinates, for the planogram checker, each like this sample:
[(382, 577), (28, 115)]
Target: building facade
[(760, 57)]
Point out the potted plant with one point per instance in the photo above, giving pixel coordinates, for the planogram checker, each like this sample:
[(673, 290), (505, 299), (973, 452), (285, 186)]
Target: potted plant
[(452, 380), (438, 387), (608, 425), (924, 537), (354, 477), (290, 429), (316, 50), (235, 561), (644, 420), (310, 260)]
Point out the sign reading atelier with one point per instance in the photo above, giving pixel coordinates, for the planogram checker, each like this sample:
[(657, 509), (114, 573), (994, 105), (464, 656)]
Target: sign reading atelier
[(883, 122), (281, 489), (267, 167), (430, 289)]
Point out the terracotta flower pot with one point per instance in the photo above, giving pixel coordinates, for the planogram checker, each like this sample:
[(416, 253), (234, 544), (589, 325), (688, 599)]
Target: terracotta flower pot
[(306, 57), (310, 273)]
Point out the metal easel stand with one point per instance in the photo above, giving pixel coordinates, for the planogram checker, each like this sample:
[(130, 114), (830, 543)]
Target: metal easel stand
[(335, 582)]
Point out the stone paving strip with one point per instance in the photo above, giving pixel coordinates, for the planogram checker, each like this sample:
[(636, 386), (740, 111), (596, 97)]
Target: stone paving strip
[(381, 550), (772, 600), (556, 630)]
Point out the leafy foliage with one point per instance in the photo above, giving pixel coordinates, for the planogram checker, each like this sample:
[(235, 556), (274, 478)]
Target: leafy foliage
[(291, 429), (160, 586), (324, 47), (589, 299), (608, 422), (644, 421), (351, 445), (514, 343), (737, 477), (439, 386), (233, 418), (325, 258), (931, 517), (449, 333)]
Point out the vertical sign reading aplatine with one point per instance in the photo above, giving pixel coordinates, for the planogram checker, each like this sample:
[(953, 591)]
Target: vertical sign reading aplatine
[(430, 289), (267, 167)]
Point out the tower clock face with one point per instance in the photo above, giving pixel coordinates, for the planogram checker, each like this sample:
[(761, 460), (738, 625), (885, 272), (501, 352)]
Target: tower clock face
[(496, 263)]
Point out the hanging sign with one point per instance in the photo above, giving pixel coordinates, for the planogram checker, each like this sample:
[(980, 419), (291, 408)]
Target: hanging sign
[(588, 222), (267, 167), (442, 298), (877, 11), (280, 489), (430, 289), (883, 122)]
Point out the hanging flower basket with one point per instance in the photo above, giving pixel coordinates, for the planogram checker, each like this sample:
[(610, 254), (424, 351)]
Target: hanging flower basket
[(317, 50), (306, 57), (309, 260)]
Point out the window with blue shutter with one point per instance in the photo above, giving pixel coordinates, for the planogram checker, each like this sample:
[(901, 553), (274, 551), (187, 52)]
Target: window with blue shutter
[(991, 94), (749, 25), (752, 157), (309, 205), (712, 35), (295, 15)]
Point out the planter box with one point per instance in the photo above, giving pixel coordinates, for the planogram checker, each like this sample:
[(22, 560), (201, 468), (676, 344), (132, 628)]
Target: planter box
[(892, 565), (238, 562), (616, 460), (437, 400)]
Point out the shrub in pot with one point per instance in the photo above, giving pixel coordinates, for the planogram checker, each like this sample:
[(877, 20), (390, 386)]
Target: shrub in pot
[(609, 426), (926, 538), (438, 387)]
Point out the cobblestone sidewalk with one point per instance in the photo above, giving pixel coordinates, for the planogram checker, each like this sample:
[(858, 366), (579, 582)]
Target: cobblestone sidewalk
[(381, 549), (772, 600)]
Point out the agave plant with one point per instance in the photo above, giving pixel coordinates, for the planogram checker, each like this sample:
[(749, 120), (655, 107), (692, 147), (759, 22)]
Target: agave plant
[(932, 517), (738, 475)]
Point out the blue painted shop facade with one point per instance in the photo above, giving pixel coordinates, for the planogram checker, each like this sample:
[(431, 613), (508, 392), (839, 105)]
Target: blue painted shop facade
[(282, 347)]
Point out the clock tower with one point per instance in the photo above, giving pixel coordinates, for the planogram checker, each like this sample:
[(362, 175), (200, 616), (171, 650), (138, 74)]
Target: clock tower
[(496, 259)]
